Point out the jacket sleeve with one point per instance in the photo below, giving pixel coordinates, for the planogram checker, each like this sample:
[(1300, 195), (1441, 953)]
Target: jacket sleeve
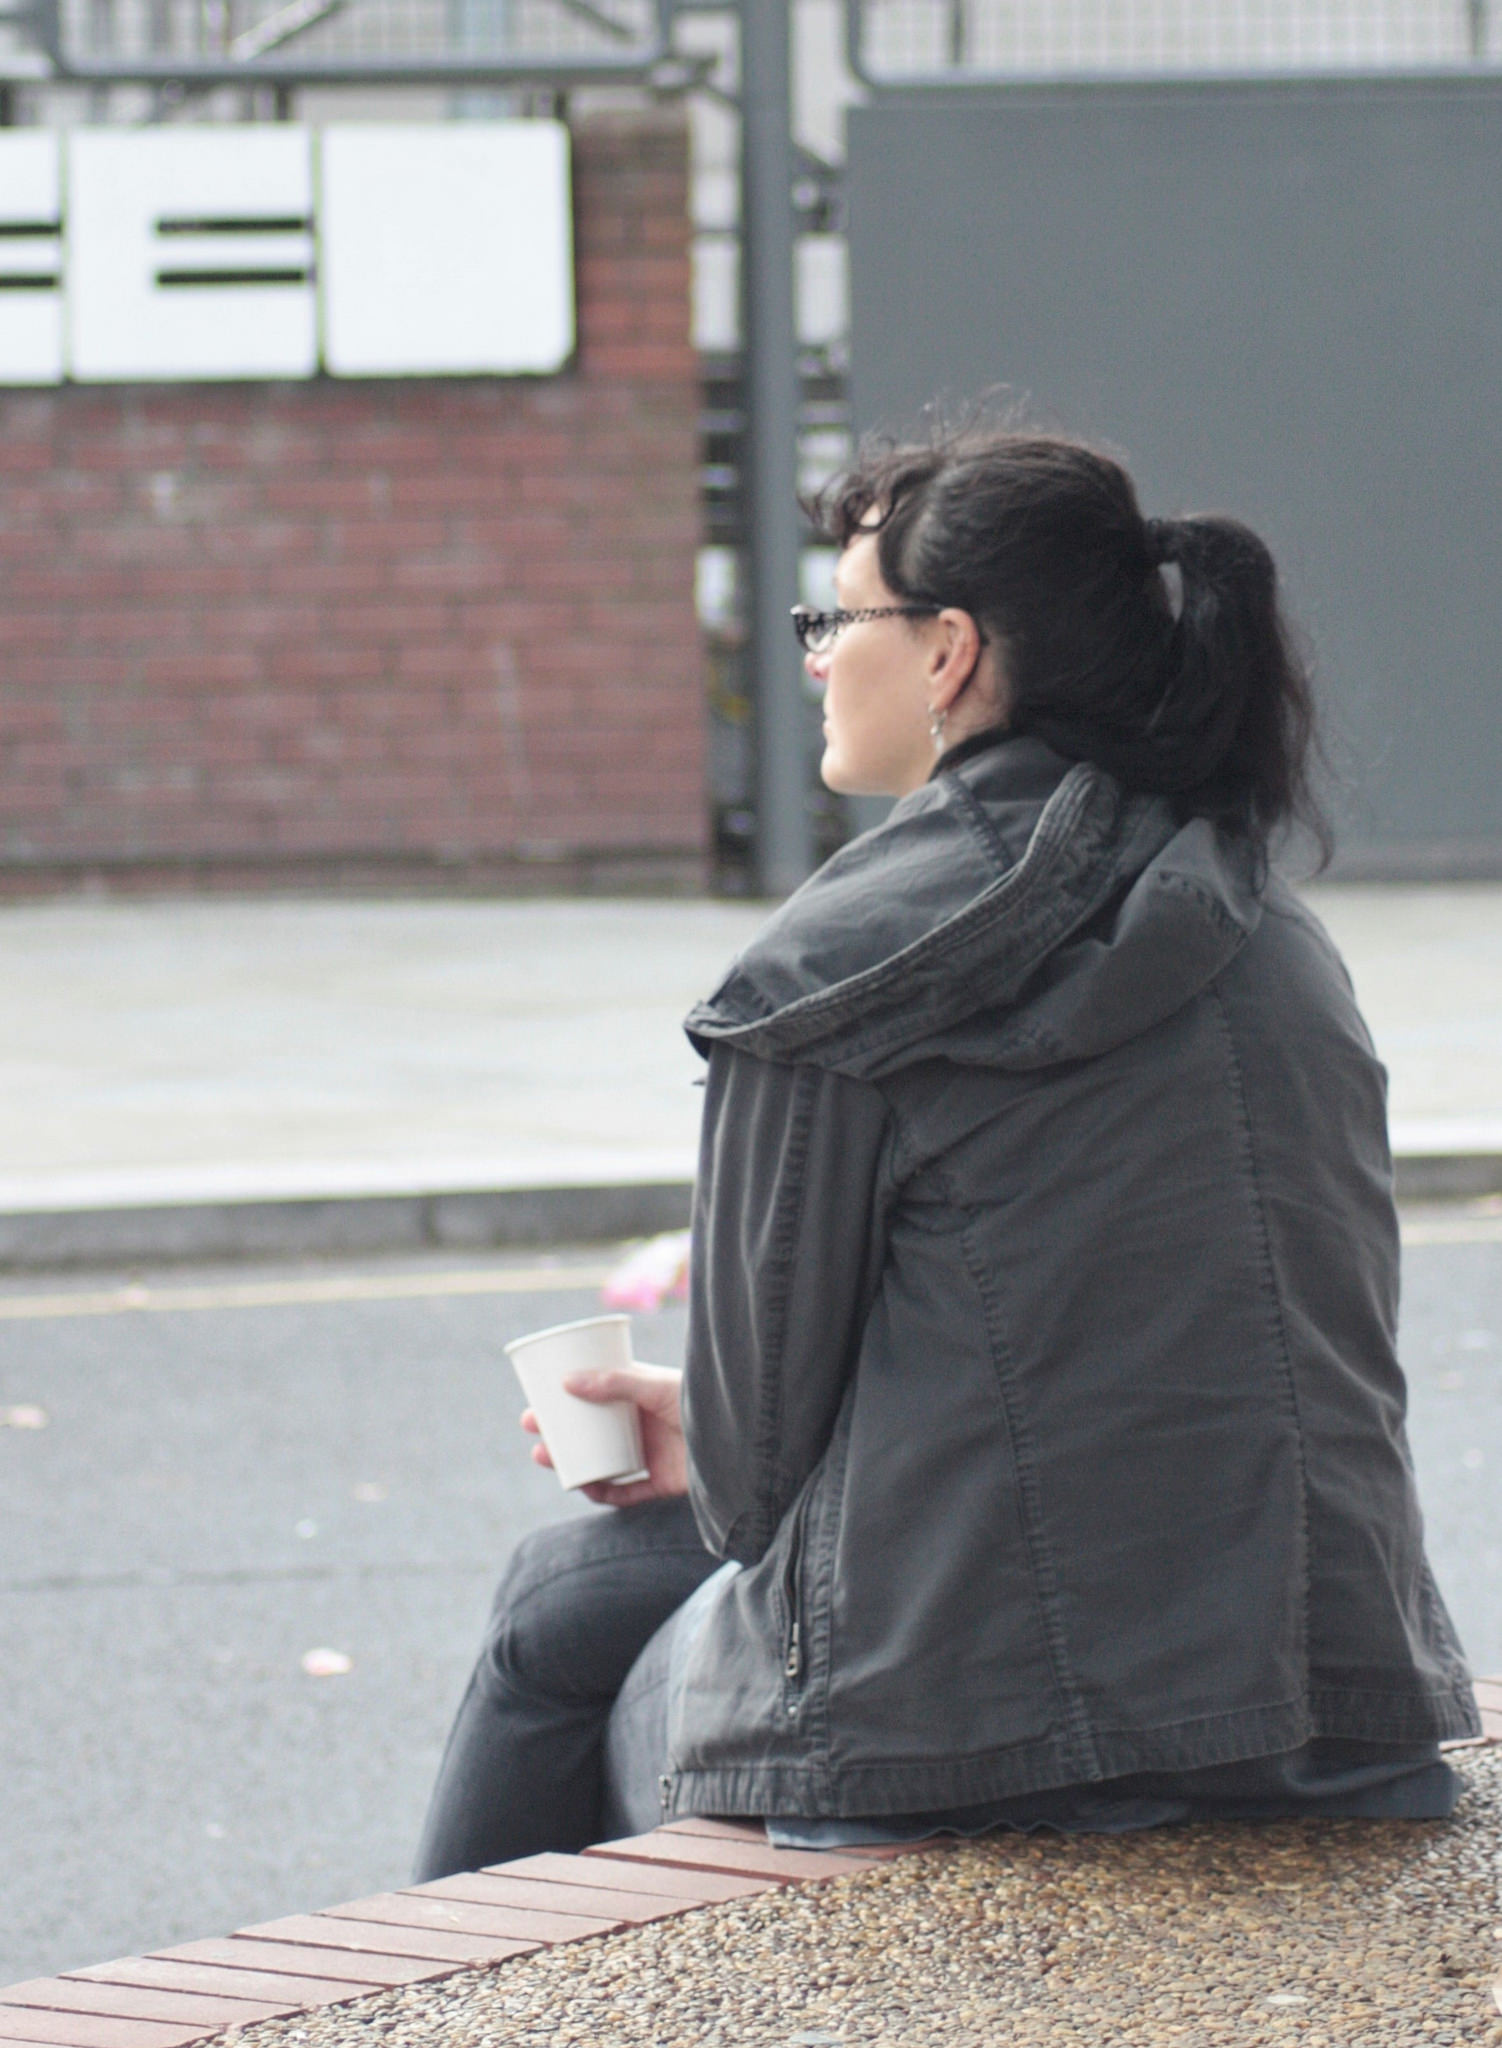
[(788, 1240)]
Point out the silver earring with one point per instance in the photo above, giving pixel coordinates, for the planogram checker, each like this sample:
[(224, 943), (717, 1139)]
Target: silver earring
[(936, 728)]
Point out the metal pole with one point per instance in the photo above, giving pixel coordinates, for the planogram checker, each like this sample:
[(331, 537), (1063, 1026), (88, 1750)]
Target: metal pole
[(784, 846), (956, 33)]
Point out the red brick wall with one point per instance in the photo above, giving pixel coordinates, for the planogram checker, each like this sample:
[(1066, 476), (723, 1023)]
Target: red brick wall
[(396, 630)]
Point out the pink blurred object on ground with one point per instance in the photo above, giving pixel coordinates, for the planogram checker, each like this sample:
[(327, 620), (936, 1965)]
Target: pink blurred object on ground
[(655, 1272)]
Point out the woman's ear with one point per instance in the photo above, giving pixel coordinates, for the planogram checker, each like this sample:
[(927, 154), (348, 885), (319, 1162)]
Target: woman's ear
[(953, 657)]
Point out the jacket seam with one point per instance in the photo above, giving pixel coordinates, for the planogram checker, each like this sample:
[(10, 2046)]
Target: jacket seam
[(779, 1281), (1273, 1301), (977, 818), (1042, 1569)]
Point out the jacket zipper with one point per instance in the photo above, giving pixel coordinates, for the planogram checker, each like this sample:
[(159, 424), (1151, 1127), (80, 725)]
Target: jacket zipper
[(792, 1663)]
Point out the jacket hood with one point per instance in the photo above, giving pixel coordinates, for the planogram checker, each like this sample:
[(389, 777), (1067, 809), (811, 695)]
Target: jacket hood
[(1016, 911)]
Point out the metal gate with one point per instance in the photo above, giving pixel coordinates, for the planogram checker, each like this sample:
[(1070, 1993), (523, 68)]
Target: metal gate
[(1277, 295)]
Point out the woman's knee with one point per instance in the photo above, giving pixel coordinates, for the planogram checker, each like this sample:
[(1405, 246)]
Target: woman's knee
[(579, 1599)]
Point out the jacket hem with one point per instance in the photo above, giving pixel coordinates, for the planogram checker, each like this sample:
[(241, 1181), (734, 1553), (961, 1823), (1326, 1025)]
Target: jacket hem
[(815, 1790)]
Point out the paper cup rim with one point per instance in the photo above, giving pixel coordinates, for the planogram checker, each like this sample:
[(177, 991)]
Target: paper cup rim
[(560, 1329)]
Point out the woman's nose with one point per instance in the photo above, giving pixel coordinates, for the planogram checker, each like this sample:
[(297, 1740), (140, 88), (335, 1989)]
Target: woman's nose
[(816, 667)]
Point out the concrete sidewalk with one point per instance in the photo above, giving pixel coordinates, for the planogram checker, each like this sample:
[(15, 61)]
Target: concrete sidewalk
[(201, 1076)]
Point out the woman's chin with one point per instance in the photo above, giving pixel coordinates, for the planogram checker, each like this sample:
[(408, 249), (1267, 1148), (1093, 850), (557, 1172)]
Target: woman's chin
[(844, 779)]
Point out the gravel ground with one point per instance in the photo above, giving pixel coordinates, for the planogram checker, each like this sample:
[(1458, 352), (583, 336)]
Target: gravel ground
[(1332, 1934)]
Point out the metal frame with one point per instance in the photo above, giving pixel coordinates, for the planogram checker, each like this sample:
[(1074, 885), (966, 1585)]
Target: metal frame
[(1475, 13), (769, 447), (654, 65)]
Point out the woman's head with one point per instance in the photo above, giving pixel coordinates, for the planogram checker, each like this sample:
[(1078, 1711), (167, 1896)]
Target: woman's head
[(1041, 542)]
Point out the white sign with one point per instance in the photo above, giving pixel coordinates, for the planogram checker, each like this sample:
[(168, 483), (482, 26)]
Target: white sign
[(31, 259), (445, 249), (209, 253), (190, 253)]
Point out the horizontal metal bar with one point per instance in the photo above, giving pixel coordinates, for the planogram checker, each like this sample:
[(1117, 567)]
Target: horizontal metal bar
[(663, 75), (655, 65)]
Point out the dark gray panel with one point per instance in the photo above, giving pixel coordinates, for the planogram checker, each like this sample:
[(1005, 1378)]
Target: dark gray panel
[(1281, 298)]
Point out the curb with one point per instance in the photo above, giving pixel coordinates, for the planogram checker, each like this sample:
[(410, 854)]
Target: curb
[(468, 1219), (285, 1968), (1447, 1176)]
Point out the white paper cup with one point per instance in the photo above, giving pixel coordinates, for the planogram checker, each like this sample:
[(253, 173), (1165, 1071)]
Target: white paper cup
[(587, 1440)]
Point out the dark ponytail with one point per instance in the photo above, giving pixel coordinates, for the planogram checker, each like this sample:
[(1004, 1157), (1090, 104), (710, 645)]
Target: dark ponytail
[(1156, 648)]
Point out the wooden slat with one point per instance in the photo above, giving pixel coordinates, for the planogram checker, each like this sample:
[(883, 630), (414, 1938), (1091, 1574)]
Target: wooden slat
[(748, 1859), (883, 1852), (322, 1930), (494, 1888), (696, 1887), (92, 2030), (369, 1972), (717, 1830), (745, 1831), (142, 2002), (174, 1974), (405, 1909)]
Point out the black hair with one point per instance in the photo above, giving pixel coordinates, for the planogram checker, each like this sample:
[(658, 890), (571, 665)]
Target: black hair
[(1041, 539)]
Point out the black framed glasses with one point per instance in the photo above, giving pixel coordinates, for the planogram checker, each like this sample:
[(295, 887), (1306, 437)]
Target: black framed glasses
[(818, 631)]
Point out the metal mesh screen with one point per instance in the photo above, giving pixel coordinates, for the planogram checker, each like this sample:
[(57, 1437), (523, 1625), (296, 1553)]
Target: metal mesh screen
[(1020, 37), (391, 29)]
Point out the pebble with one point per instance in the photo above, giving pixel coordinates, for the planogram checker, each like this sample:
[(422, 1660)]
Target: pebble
[(1327, 1934)]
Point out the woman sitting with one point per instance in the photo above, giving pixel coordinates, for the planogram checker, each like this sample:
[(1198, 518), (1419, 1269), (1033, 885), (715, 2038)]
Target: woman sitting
[(1040, 1455)]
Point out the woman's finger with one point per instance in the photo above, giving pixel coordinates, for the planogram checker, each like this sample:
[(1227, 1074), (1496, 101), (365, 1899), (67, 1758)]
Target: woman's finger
[(530, 1422), (653, 1388)]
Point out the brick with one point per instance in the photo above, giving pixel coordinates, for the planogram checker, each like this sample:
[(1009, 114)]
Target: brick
[(413, 1909), (141, 2002), (316, 494), (389, 539), (323, 1931)]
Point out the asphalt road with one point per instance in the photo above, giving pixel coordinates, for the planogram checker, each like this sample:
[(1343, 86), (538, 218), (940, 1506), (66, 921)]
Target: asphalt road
[(231, 1474)]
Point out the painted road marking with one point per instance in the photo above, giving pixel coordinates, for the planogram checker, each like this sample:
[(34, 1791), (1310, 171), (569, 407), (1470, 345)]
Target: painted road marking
[(141, 1300), (1464, 1229)]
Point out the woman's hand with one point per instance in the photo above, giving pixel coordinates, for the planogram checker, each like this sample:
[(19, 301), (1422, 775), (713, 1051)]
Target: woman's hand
[(655, 1391)]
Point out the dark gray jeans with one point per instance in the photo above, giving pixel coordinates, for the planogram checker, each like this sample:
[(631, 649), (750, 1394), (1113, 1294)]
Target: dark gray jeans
[(526, 1765)]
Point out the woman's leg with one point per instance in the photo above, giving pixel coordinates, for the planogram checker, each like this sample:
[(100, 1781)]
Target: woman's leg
[(636, 1735), (579, 1601)]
